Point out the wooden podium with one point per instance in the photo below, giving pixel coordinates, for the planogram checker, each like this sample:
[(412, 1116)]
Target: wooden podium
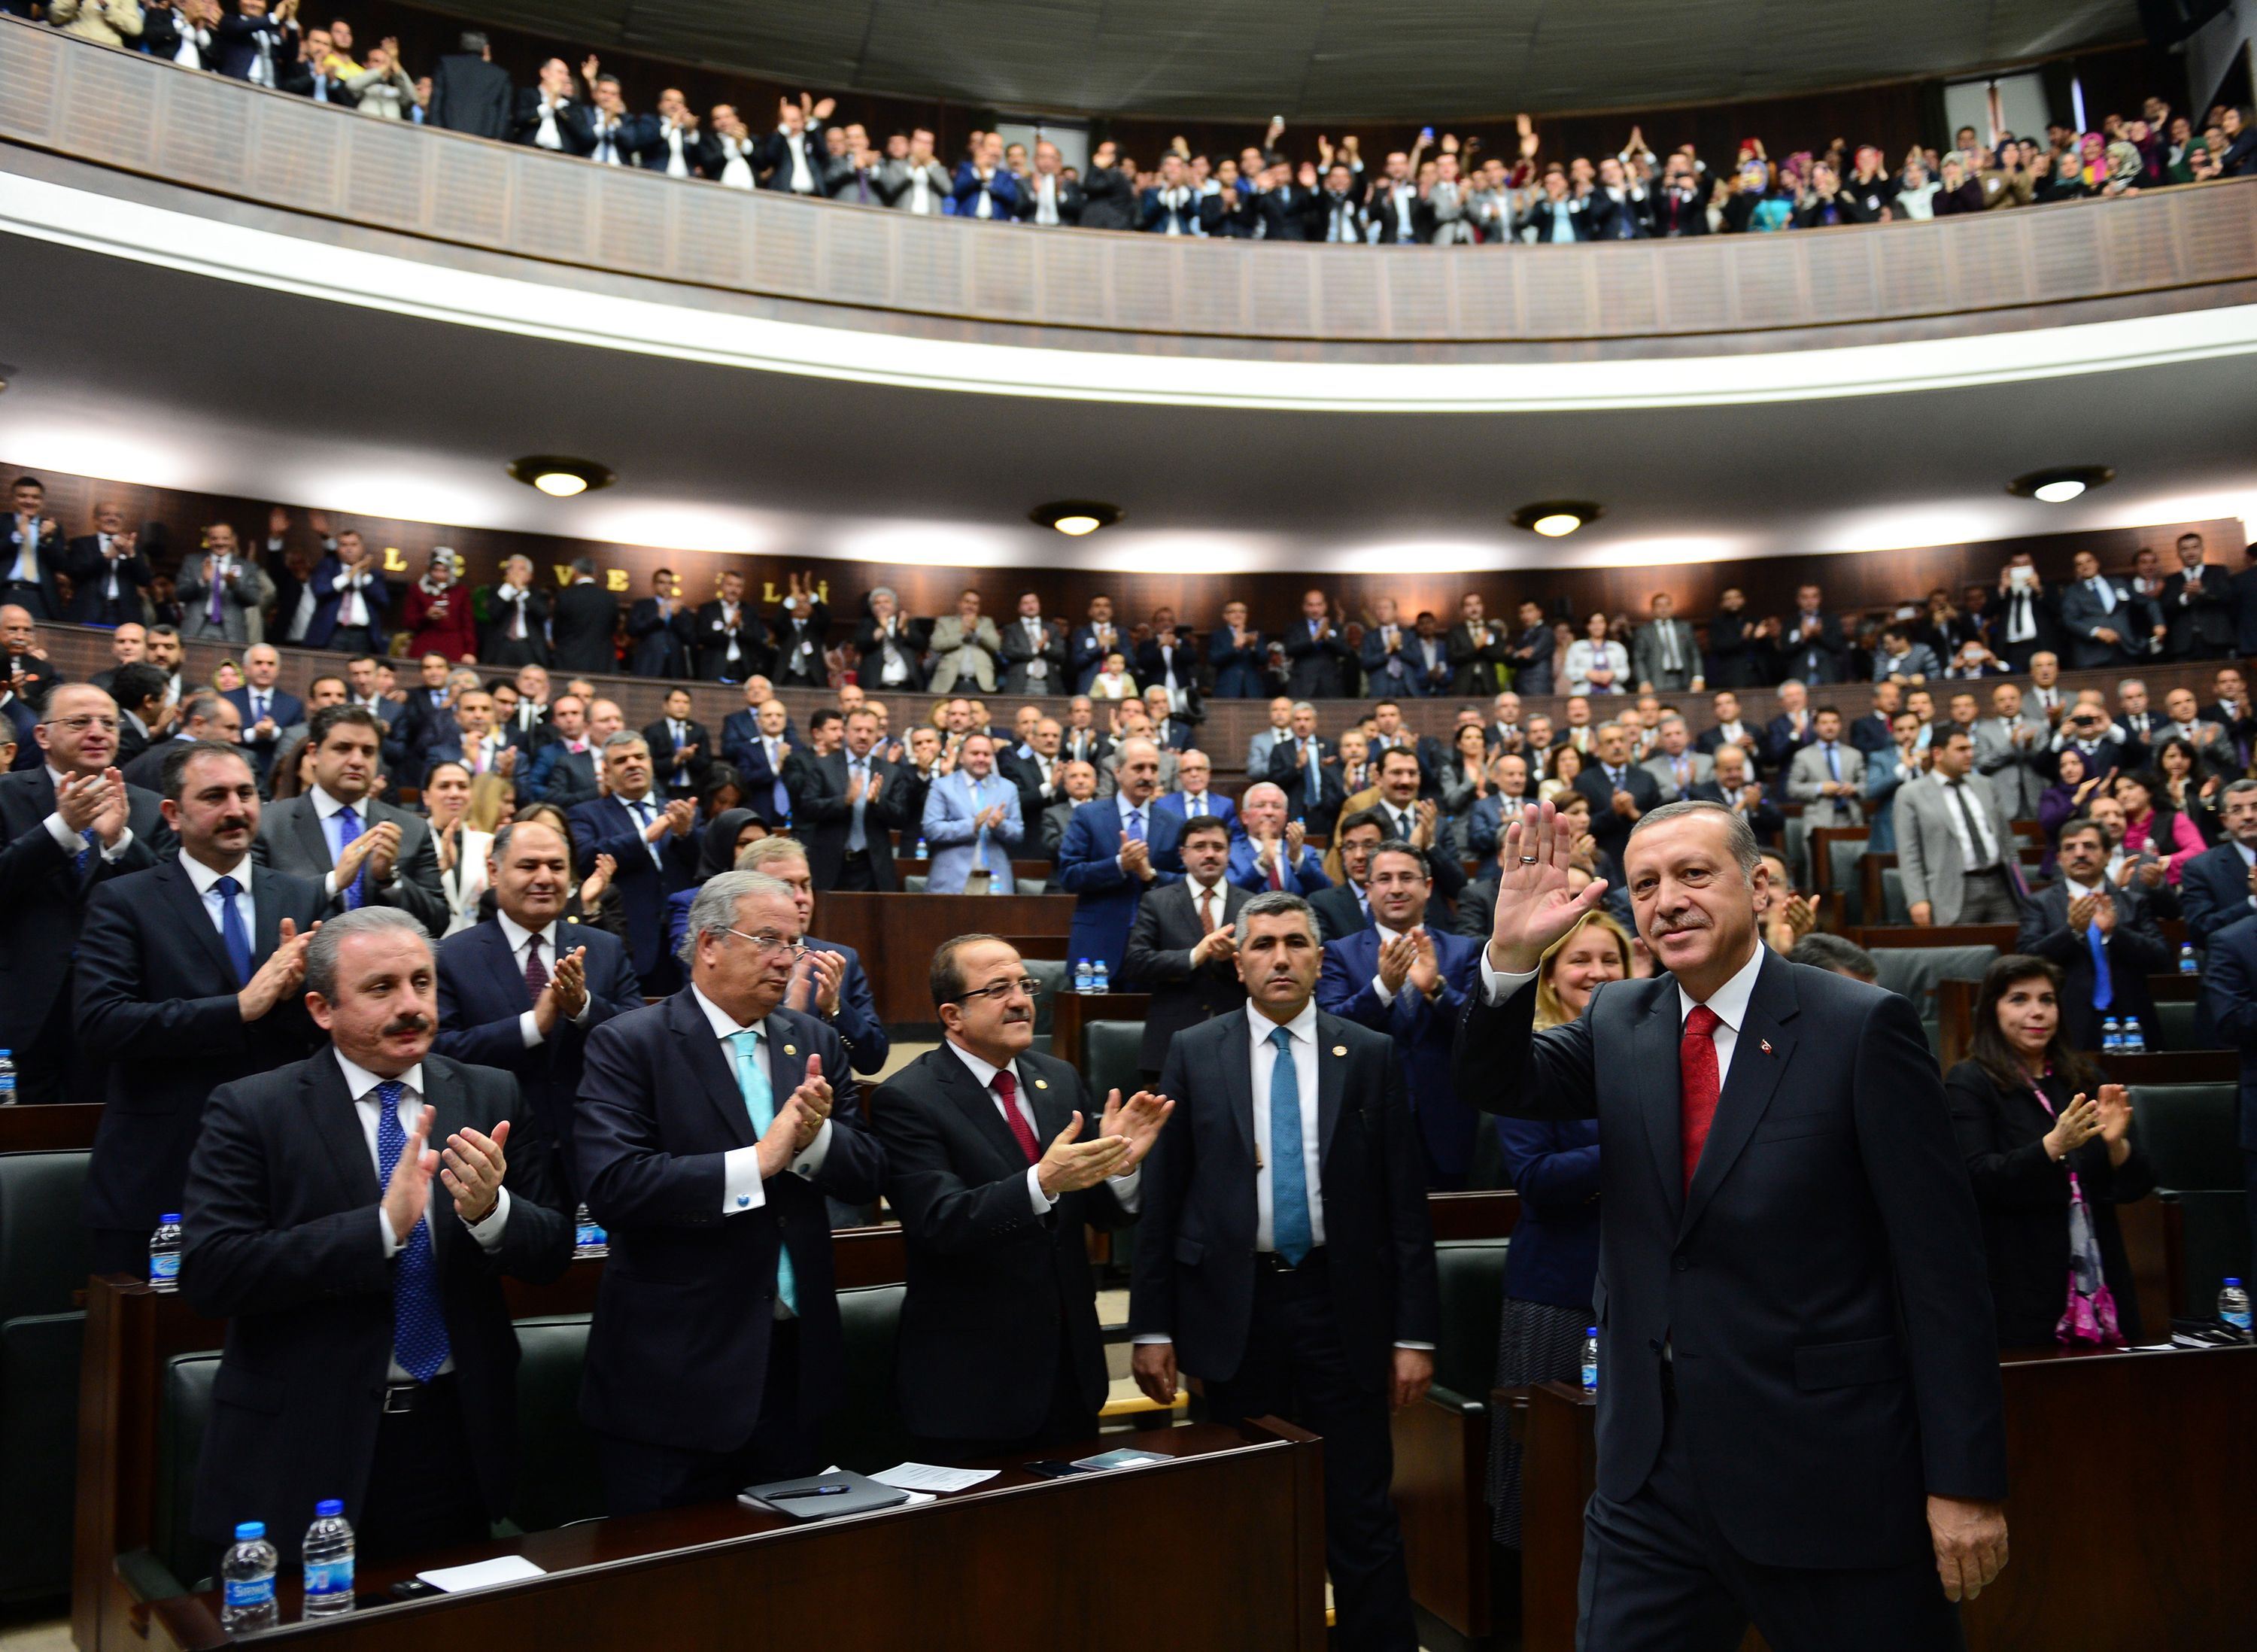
[(1221, 1551)]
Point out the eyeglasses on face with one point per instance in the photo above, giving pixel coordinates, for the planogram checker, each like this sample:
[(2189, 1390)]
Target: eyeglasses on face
[(768, 941), (999, 991), (81, 724)]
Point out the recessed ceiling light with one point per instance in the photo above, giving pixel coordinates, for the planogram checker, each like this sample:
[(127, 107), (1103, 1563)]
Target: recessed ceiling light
[(560, 477), (1556, 519), (2061, 484), (1075, 517)]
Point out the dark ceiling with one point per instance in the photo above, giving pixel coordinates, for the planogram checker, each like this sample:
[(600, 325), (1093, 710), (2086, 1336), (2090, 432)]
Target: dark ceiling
[(1326, 59)]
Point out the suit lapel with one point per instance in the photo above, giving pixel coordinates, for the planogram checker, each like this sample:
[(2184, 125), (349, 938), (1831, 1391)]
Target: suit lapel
[(980, 1109), (182, 892), (713, 1066), (1331, 1084), (266, 915), (1654, 1050), (787, 1057), (307, 824), (337, 1120), (1754, 1079), (444, 1097), (1238, 1078)]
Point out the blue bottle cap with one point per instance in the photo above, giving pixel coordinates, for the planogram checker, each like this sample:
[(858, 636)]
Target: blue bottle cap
[(251, 1531), (169, 1216), (329, 1508), (1590, 1331), (2233, 1282)]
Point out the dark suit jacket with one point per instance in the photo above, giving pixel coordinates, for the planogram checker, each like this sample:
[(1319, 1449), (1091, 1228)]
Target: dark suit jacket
[(2206, 620), (1285, 772), (2135, 948), (1423, 1032), (43, 900), (291, 839), (1764, 820), (470, 95), (909, 639), (1820, 1283), (659, 735), (822, 819), (1824, 658), (1192, 1277), (89, 570), (607, 827), (1020, 652), (281, 1218), (146, 772), (1158, 961), (2214, 891), (662, 647), (996, 1293), (2023, 1194), (1086, 655), (1320, 667), (796, 661), (1236, 673), (1610, 829), (679, 1347), (482, 993), (586, 618), (754, 656), (157, 996), (561, 775), (2229, 992), (286, 709), (1553, 1166), (328, 600), (1106, 897)]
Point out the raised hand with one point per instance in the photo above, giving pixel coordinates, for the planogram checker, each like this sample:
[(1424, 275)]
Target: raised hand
[(409, 1191), (110, 819), (1533, 906), (1070, 1164), (1137, 1122), (812, 1099), (472, 1167), (283, 971), (1396, 958)]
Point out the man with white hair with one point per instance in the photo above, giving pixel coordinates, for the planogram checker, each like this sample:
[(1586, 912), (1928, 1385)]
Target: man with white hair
[(712, 1127), (1272, 854)]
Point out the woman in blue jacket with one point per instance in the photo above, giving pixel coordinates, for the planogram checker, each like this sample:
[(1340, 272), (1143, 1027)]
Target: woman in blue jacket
[(1554, 1259)]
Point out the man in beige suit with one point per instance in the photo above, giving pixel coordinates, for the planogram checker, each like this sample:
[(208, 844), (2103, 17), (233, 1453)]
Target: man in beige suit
[(965, 645)]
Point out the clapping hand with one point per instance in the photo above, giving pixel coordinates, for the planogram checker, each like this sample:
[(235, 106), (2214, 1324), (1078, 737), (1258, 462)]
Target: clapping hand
[(1533, 906), (472, 1167), (1138, 1123), (1070, 1165)]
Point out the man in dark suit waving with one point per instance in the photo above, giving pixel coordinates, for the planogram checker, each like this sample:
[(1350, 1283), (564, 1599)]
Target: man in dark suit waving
[(1800, 1416), (708, 1140), (351, 1217), (67, 826), (187, 980), (1285, 1257), (997, 1159), (523, 992)]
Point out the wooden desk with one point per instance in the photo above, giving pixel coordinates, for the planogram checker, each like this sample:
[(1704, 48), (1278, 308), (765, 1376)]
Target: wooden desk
[(1007, 1566), (898, 934), (63, 1126), (1071, 1011), (2149, 1549), (1955, 1010)]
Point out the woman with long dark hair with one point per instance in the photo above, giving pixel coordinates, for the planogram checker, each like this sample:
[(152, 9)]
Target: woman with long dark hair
[(2187, 788), (2049, 1149), (2150, 823)]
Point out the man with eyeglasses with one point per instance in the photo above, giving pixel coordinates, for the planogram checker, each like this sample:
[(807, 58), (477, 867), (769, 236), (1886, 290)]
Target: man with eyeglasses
[(67, 823), (711, 1129), (651, 845), (997, 1159)]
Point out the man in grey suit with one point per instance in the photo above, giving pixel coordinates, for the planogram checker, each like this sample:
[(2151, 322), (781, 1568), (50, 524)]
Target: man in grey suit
[(1955, 844), (365, 852), (1665, 656), (2098, 617), (1828, 776), (1676, 767), (2009, 747), (1267, 740), (220, 592), (964, 645), (1034, 650)]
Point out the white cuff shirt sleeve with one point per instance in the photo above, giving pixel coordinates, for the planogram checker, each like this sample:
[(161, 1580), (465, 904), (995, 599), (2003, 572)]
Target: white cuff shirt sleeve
[(809, 1158), (1500, 984), (1040, 1200), (528, 1029), (1379, 991), (1127, 1190), (488, 1232), (740, 1182)]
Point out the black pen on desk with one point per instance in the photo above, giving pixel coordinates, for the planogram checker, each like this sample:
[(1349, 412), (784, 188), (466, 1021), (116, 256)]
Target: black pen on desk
[(812, 1491)]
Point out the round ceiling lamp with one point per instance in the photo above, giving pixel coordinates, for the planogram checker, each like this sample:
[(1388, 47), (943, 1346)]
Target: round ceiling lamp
[(561, 477), (2062, 483), (1556, 519), (1075, 517)]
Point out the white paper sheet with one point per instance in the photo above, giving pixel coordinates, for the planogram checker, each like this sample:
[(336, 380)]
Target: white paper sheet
[(929, 1477), (482, 1574)]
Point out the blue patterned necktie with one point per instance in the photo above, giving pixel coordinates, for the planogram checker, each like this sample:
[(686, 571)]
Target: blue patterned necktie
[(419, 1326), (232, 934), (84, 859), (355, 893), (2103, 988), (1290, 1233), (1311, 787), (760, 1103)]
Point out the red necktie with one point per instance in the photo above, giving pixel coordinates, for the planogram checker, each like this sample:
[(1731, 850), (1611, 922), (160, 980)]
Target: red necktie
[(1007, 1091), (1696, 1061), (536, 976)]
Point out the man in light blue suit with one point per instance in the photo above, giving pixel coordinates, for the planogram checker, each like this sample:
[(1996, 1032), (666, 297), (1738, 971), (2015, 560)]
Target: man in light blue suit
[(1114, 849), (972, 823), (1410, 981), (1194, 798)]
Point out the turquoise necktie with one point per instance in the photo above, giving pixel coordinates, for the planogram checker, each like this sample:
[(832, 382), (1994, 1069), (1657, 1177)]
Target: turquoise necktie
[(759, 1101), (1290, 1233)]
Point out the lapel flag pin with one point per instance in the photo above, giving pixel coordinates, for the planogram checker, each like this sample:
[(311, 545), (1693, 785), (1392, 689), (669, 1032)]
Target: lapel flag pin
[(1764, 1045)]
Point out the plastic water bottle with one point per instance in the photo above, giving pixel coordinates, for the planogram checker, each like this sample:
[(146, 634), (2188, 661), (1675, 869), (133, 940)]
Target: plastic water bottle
[(1084, 978), (2135, 1037), (328, 1557), (1099, 978), (588, 1237), (2112, 1037), (7, 1079), (247, 1580), (2233, 1308), (164, 1253), (922, 853), (2187, 965), (1590, 1360)]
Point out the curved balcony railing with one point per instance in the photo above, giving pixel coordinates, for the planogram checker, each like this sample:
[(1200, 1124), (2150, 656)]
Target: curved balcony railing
[(2173, 248)]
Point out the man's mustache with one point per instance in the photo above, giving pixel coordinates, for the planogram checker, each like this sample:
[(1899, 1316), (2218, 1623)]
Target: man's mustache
[(411, 1021)]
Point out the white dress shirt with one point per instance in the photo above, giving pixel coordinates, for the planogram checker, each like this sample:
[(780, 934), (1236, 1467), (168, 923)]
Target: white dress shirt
[(1729, 1002), (361, 1084), (1971, 854), (327, 808), (741, 1188), (1303, 1030), (1124, 1186), (1129, 811), (215, 904), (548, 136), (528, 1024)]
